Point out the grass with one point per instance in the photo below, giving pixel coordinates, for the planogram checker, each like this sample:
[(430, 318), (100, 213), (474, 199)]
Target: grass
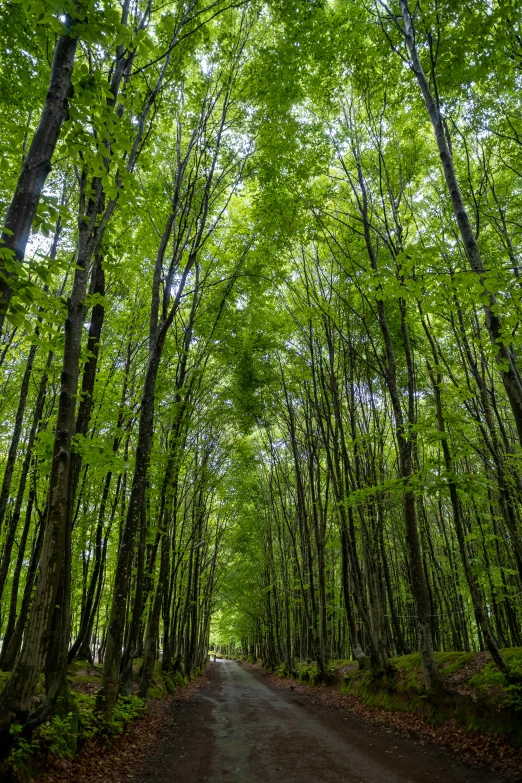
[(482, 699), (479, 697)]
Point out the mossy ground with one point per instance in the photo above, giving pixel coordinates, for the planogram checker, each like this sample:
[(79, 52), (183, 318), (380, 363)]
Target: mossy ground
[(75, 719), (476, 693), (308, 673), (85, 678)]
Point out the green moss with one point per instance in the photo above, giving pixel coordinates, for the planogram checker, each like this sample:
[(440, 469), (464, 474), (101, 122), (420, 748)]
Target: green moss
[(82, 668), (407, 662), (173, 681), (83, 672), (4, 676), (335, 665), (400, 696), (162, 682), (309, 673), (513, 655), (157, 691), (450, 663), (409, 673), (491, 684), (85, 678), (494, 707)]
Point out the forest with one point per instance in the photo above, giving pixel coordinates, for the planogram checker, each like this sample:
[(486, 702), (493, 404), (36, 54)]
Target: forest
[(261, 355)]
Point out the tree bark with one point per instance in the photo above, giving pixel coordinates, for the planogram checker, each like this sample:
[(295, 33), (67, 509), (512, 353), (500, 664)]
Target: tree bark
[(17, 694), (511, 378), (37, 164)]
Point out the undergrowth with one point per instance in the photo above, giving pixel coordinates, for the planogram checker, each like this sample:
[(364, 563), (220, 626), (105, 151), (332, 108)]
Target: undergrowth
[(53, 738), (476, 693), (309, 673), (480, 697), (76, 720)]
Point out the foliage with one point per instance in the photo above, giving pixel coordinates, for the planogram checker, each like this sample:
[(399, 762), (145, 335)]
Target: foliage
[(481, 699), (52, 738), (274, 342)]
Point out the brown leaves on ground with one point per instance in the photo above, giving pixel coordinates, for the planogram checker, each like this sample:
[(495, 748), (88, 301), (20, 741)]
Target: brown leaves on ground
[(99, 761), (102, 761), (473, 747)]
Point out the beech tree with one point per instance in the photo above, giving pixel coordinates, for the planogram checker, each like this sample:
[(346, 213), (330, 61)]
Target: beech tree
[(260, 340)]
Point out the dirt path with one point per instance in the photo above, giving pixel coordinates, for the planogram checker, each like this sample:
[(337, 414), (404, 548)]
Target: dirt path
[(239, 729)]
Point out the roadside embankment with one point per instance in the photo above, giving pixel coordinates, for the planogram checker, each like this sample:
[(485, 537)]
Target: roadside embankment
[(479, 714)]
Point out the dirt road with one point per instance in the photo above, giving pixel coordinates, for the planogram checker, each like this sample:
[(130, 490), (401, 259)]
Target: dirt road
[(239, 729)]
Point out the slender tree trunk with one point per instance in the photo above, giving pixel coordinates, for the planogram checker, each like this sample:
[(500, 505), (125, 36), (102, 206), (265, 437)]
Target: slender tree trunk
[(37, 163), (113, 653), (11, 623), (480, 613), (81, 647), (15, 438), (130, 651), (17, 694), (12, 647), (37, 416), (404, 435), (505, 360), (61, 619), (152, 630)]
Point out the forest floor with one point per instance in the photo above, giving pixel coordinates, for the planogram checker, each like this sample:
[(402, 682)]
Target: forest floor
[(100, 760), (486, 750), (241, 725)]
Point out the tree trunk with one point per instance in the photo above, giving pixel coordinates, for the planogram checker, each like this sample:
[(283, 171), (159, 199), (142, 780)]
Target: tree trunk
[(108, 693), (17, 694), (37, 163), (480, 612), (505, 360)]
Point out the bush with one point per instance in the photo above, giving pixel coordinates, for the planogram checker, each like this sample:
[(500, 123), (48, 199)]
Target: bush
[(308, 673), (281, 670), (53, 738)]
